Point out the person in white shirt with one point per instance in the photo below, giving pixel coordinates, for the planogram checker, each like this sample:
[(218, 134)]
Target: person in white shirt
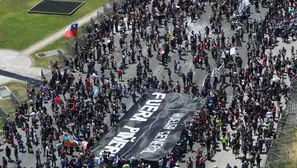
[(260, 122), (160, 163), (95, 78), (179, 68), (111, 157)]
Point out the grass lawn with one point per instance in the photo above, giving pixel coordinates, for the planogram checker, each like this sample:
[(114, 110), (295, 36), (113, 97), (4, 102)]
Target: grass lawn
[(18, 89), (59, 44), (20, 92), (19, 29), (8, 108), (43, 62)]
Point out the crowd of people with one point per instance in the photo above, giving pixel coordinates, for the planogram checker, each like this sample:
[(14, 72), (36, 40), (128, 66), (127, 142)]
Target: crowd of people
[(81, 103)]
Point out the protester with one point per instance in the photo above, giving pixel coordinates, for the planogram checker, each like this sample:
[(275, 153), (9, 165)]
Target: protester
[(78, 116)]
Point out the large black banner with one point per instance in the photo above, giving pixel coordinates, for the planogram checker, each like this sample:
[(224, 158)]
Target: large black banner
[(151, 128)]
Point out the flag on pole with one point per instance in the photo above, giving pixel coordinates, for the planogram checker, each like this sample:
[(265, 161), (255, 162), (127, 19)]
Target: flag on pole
[(68, 142), (219, 71), (290, 26), (92, 22), (70, 125), (84, 145), (42, 75), (261, 61), (57, 100), (96, 91), (71, 31), (161, 51), (75, 143)]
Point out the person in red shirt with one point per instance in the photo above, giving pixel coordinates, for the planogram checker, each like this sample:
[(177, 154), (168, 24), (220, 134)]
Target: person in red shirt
[(27, 131), (11, 139), (120, 74)]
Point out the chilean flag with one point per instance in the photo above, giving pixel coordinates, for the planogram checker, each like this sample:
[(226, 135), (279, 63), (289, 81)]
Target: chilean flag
[(71, 31), (161, 51)]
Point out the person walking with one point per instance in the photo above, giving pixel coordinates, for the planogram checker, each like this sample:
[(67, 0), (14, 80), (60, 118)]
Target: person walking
[(191, 142), (224, 140), (134, 97), (63, 163), (179, 69), (54, 159), (190, 163), (8, 153), (38, 160), (16, 154), (4, 162), (44, 145)]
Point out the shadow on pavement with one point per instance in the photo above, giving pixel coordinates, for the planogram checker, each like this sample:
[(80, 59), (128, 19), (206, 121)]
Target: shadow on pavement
[(17, 76)]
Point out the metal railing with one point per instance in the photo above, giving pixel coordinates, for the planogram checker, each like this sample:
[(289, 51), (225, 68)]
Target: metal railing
[(282, 153), (2, 113), (71, 51), (3, 116), (2, 123), (15, 102)]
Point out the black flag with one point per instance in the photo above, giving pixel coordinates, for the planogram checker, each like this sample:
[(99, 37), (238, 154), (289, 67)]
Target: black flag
[(42, 75), (92, 22)]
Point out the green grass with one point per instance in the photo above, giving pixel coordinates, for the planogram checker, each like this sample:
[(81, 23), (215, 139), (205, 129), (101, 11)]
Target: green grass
[(43, 62), (59, 44), (18, 89), (20, 92), (7, 106), (19, 29)]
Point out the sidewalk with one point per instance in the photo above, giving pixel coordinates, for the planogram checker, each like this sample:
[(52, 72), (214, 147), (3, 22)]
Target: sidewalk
[(17, 66), (50, 39)]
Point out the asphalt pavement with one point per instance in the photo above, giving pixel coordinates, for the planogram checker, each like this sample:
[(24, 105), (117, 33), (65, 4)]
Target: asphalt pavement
[(224, 157), (29, 160)]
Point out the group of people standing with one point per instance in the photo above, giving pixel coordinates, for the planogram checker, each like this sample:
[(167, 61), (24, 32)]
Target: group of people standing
[(82, 104)]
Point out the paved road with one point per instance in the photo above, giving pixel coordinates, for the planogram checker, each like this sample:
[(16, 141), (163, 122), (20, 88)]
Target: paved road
[(223, 157), (161, 72), (29, 160), (16, 66)]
